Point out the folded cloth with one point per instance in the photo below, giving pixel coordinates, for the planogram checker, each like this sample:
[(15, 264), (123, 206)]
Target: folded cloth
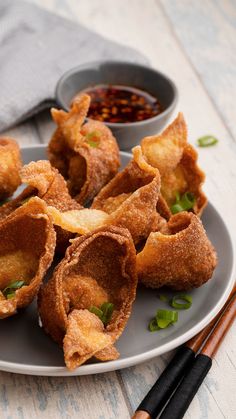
[(36, 48)]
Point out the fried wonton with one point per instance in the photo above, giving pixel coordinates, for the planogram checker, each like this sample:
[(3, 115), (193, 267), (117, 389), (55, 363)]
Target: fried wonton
[(27, 243), (130, 198), (45, 182), (10, 164), (87, 156), (177, 162), (98, 268), (182, 258)]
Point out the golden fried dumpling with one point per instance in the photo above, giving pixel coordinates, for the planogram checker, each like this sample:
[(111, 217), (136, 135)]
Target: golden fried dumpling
[(177, 162), (87, 156), (129, 200), (98, 268), (27, 244), (182, 258), (44, 181), (131, 197), (10, 164)]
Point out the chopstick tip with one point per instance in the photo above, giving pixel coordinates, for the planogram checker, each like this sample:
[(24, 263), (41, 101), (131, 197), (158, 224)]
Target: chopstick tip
[(141, 414)]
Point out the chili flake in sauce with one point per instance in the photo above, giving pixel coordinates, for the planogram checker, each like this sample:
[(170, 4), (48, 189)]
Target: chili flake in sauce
[(122, 104)]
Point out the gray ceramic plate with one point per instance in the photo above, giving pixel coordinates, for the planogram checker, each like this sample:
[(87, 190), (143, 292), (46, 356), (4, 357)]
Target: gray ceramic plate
[(26, 349)]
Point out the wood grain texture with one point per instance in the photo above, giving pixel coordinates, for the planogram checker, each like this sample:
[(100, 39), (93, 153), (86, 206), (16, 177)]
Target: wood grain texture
[(210, 45), (97, 397), (161, 31)]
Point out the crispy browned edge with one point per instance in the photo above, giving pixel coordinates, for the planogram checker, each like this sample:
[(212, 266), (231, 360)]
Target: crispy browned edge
[(182, 259), (96, 164), (9, 171), (50, 300), (45, 182), (138, 212), (34, 209)]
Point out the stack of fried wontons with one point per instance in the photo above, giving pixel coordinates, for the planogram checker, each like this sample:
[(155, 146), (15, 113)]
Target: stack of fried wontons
[(133, 229)]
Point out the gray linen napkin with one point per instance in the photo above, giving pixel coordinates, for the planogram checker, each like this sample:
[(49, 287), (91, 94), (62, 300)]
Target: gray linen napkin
[(36, 48)]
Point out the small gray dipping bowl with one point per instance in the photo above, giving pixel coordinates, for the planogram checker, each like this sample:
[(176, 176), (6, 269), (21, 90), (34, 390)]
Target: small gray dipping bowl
[(124, 73)]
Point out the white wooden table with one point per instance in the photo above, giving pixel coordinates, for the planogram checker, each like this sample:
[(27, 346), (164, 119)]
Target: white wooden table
[(195, 43)]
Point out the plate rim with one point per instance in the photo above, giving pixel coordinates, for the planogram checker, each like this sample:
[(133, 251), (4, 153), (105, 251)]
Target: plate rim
[(102, 367)]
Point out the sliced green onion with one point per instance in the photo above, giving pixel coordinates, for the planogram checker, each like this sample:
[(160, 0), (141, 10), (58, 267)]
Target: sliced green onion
[(183, 203), (163, 324), (177, 301), (177, 197), (10, 295), (206, 141), (163, 297), (93, 144), (107, 309), (187, 200), (9, 291), (91, 136), (97, 311), (169, 315), (153, 327), (176, 208), (163, 319), (104, 312)]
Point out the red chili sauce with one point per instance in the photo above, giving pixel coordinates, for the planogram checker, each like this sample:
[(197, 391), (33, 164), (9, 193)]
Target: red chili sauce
[(121, 104)]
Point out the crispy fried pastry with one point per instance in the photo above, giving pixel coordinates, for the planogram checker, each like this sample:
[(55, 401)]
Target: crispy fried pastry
[(27, 243), (10, 164), (87, 156), (181, 258), (129, 201), (45, 182), (81, 222), (130, 198), (99, 267), (177, 163)]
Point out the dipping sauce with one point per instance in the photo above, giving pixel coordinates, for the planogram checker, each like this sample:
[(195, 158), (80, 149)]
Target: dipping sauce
[(121, 104)]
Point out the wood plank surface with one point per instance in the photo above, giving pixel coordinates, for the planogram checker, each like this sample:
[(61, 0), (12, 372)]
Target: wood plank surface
[(97, 397), (160, 30), (207, 32)]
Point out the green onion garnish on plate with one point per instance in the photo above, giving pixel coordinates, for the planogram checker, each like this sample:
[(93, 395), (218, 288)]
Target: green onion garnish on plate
[(181, 301), (153, 327), (163, 319), (207, 141), (169, 315), (183, 203), (9, 291)]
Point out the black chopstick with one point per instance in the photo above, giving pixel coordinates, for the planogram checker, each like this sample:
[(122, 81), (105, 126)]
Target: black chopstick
[(185, 364), (161, 391), (180, 401)]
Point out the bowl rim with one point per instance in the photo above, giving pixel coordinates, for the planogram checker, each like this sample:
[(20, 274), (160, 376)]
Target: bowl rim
[(93, 64)]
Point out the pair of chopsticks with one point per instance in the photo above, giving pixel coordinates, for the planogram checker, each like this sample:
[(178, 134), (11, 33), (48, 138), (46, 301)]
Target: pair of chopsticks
[(190, 364)]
